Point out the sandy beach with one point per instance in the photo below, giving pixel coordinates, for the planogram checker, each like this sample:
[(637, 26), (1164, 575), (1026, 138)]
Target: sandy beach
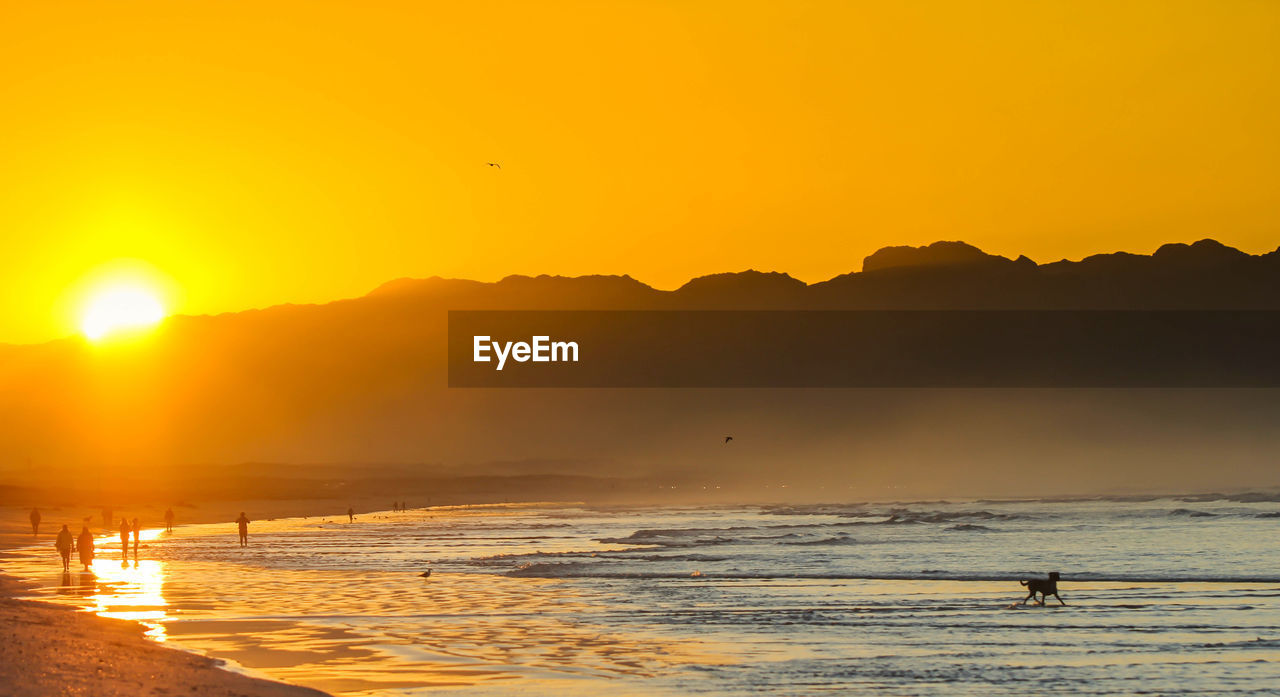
[(59, 650)]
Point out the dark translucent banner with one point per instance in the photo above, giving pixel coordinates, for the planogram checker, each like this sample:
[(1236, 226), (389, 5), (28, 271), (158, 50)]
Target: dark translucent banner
[(864, 349)]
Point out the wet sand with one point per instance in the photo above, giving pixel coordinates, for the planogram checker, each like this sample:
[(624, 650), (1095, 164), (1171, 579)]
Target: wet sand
[(57, 650), (364, 630)]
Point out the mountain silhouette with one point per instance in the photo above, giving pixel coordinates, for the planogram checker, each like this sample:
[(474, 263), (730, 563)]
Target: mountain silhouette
[(1205, 275)]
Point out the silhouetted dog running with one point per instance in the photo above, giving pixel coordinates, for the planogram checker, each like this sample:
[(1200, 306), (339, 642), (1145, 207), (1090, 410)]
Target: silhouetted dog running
[(1044, 587)]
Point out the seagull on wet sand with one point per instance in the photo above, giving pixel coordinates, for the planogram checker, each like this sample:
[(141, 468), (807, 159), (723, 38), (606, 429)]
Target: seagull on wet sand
[(425, 574)]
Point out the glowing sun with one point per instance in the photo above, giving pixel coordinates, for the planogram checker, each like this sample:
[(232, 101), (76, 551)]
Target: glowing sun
[(116, 307)]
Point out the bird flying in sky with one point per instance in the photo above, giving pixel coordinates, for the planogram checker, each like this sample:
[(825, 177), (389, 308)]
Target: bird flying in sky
[(494, 164), (728, 438)]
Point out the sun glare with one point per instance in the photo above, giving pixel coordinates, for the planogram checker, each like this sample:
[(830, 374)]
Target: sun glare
[(118, 307)]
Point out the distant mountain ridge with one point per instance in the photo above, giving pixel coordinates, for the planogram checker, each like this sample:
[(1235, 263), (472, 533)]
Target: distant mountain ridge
[(943, 275)]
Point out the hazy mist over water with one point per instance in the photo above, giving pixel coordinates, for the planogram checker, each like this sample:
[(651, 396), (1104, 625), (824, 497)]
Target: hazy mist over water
[(819, 444)]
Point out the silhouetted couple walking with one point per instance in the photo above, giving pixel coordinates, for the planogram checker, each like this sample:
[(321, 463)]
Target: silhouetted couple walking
[(65, 545), (125, 530)]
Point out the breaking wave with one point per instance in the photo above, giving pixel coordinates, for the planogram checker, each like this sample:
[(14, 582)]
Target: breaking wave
[(578, 570)]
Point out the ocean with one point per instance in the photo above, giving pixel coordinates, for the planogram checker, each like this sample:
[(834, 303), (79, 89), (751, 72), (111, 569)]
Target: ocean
[(1170, 596)]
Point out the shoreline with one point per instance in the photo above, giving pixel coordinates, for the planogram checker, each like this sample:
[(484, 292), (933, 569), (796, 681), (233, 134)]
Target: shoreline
[(60, 649), (80, 652)]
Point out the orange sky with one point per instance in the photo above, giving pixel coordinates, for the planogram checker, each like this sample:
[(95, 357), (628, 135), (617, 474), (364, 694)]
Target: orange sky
[(252, 153)]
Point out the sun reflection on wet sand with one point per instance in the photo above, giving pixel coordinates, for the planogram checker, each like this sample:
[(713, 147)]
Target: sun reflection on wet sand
[(132, 592), (368, 631)]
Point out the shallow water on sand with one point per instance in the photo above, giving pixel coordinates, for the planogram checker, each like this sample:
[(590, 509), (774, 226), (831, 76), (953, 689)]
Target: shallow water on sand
[(1166, 596)]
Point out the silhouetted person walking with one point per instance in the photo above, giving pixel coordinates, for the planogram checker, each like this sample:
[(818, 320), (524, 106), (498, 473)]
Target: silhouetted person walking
[(107, 518), (351, 515), (137, 533), (168, 520), (124, 536), (63, 544), (243, 523), (85, 545), (35, 521)]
